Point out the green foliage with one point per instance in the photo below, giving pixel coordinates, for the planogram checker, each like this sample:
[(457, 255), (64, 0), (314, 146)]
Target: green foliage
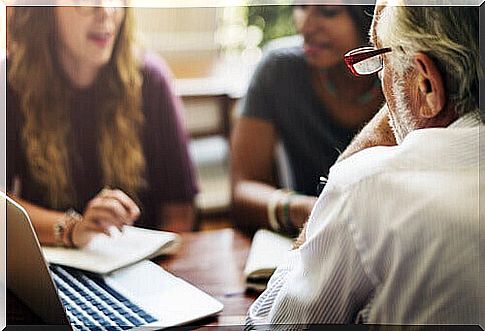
[(275, 21)]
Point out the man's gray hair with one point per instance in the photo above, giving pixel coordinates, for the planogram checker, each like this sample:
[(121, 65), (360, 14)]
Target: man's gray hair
[(448, 35)]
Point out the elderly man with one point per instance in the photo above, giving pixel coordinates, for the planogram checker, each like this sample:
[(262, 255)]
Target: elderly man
[(393, 238)]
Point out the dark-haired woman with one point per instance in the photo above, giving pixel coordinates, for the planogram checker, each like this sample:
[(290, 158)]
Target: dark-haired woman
[(304, 98)]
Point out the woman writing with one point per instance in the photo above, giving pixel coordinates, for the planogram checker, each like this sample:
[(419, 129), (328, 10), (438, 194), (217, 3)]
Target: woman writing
[(94, 135), (304, 98)]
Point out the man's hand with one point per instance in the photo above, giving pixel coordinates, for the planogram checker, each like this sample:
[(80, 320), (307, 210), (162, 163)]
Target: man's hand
[(377, 132), (301, 238), (108, 208)]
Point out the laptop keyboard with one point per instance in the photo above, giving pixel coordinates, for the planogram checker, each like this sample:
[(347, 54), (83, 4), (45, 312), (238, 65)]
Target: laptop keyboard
[(93, 305)]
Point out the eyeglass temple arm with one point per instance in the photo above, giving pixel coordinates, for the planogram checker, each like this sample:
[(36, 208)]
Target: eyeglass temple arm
[(356, 58)]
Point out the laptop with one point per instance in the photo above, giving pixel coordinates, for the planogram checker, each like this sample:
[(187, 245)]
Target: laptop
[(140, 296)]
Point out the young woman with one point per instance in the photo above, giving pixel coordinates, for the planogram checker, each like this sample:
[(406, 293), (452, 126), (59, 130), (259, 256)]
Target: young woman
[(305, 98), (94, 133)]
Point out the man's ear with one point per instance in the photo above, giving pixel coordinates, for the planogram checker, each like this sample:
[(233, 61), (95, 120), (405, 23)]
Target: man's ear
[(431, 85)]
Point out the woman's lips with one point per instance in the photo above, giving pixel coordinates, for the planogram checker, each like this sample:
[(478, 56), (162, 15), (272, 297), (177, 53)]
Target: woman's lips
[(100, 39)]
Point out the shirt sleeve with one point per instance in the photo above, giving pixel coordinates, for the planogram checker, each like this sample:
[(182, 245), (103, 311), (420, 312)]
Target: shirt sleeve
[(323, 281), (170, 169), (258, 101)]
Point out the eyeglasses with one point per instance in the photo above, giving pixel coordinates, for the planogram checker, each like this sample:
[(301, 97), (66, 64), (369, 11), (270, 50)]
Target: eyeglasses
[(365, 61), (89, 7)]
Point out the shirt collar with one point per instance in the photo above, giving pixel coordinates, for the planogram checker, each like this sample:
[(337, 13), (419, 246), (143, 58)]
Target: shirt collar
[(469, 120)]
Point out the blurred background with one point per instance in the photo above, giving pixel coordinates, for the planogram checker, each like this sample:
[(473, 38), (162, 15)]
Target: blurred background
[(212, 53)]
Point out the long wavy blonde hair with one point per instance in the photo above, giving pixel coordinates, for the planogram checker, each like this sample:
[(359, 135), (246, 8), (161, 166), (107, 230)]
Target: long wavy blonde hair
[(34, 74)]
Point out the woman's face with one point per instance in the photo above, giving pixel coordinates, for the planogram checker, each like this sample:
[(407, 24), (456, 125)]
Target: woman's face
[(87, 34), (328, 33)]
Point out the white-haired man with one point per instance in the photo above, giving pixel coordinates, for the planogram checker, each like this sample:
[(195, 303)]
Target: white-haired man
[(393, 238)]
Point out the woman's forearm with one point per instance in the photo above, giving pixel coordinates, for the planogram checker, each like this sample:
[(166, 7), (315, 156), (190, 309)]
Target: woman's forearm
[(250, 206), (42, 219), (250, 200)]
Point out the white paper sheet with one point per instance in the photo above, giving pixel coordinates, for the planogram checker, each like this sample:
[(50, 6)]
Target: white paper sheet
[(105, 254)]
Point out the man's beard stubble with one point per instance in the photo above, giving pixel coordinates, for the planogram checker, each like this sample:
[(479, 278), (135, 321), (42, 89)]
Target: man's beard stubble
[(400, 119)]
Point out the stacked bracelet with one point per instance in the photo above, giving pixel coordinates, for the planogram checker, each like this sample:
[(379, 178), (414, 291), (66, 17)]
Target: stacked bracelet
[(286, 221), (64, 227), (274, 201), (272, 205)]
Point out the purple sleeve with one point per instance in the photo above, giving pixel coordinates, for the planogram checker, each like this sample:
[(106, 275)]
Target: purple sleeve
[(170, 170)]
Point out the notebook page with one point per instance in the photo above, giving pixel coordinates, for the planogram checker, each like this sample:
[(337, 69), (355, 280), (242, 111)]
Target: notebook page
[(268, 250), (105, 254)]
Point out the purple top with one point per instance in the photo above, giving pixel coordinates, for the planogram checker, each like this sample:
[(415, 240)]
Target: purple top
[(169, 171)]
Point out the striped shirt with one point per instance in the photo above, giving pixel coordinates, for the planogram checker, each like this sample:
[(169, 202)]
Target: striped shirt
[(392, 239)]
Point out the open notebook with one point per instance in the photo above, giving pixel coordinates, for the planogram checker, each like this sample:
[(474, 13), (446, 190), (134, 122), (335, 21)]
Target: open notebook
[(268, 250), (105, 254)]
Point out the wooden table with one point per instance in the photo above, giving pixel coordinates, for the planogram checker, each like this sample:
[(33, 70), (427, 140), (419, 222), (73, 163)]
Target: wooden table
[(213, 261)]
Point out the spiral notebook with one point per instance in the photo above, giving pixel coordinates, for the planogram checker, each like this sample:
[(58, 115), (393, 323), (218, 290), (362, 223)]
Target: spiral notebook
[(105, 254)]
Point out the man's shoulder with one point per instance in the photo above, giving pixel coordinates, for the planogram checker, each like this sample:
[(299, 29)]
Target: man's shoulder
[(357, 169), (411, 188), (430, 180), (427, 150)]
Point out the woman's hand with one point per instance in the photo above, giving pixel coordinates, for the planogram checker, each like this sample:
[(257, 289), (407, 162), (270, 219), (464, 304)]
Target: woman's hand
[(108, 208)]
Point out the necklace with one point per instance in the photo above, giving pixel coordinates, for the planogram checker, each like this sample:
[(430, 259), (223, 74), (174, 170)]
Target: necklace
[(362, 99)]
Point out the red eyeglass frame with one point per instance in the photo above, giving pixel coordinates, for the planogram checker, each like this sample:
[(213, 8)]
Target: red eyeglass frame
[(360, 54)]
